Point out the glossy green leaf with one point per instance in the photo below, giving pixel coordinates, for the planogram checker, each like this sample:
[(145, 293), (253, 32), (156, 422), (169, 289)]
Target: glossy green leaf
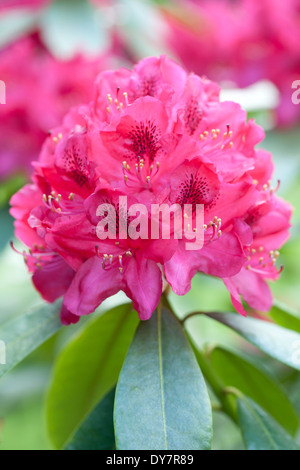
[(235, 371), (26, 333), (161, 399), (87, 369), (285, 316), (10, 186), (260, 431), (278, 342), (97, 431)]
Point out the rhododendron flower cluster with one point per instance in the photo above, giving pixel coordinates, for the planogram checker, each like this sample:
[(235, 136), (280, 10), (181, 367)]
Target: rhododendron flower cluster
[(40, 91), (242, 41), (154, 135)]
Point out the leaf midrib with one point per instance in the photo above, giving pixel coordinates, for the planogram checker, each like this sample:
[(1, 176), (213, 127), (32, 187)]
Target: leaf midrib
[(160, 359), (262, 424)]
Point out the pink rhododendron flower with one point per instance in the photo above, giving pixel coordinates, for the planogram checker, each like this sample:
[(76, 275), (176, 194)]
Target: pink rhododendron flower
[(243, 41), (40, 90), (153, 135)]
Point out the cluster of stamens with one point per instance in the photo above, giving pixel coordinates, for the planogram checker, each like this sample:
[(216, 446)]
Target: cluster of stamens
[(37, 257), (58, 138), (110, 261), (55, 203), (116, 104), (140, 173), (212, 230), (216, 135), (268, 187), (262, 260)]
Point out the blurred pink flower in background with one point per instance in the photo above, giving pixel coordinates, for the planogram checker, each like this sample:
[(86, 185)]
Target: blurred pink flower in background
[(40, 90), (156, 135), (244, 42), (12, 4)]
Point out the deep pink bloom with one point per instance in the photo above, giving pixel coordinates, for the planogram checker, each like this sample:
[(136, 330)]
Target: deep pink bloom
[(153, 135), (40, 91), (242, 41)]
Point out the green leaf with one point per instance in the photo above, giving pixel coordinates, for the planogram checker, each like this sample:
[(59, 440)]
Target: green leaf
[(235, 371), (161, 399), (11, 185), (97, 432), (260, 431), (278, 342), (26, 333), (285, 316), (87, 369)]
